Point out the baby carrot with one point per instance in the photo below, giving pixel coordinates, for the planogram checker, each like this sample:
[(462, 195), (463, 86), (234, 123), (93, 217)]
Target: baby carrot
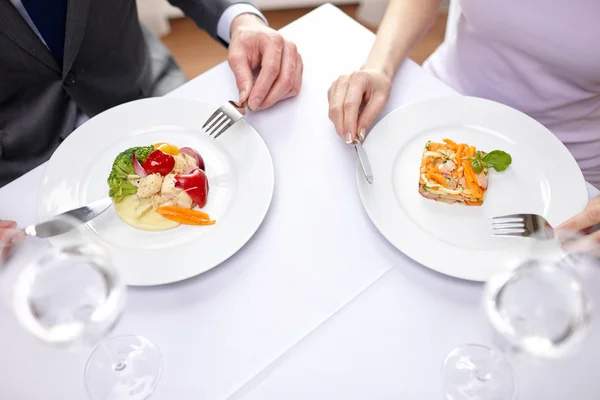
[(185, 215), (185, 211)]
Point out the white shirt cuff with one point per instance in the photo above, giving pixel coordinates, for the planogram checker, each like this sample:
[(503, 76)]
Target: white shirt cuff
[(231, 12)]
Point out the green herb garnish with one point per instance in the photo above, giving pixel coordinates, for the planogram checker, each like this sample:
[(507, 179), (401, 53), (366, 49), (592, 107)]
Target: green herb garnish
[(497, 159)]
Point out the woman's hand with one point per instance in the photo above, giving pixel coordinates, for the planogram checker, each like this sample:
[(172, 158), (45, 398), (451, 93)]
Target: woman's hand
[(403, 25), (7, 231), (355, 100), (585, 220)]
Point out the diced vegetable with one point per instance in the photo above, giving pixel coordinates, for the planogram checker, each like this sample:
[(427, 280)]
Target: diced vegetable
[(139, 170), (195, 183), (159, 163), (122, 168), (167, 148), (194, 154)]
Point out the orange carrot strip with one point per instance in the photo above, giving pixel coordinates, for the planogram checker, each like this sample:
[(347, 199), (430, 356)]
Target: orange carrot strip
[(458, 153), (474, 203), (439, 178), (434, 146), (471, 180), (451, 144), (184, 211), (185, 215), (187, 220)]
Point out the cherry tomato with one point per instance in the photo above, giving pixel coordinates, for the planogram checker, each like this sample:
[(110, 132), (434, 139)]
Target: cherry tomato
[(159, 163), (195, 184)]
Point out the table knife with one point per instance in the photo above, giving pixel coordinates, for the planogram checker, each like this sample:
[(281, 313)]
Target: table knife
[(61, 223), (364, 161)]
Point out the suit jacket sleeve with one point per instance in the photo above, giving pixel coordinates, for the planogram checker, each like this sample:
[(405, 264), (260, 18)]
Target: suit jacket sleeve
[(205, 13)]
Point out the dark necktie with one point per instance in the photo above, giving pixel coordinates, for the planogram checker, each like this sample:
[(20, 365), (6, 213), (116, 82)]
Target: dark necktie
[(49, 17)]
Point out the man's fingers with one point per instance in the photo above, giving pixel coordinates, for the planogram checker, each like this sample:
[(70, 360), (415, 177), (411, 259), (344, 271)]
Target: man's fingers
[(352, 102), (589, 217), (372, 109), (286, 79), (336, 104), (272, 50), (244, 78), (298, 79), (8, 233), (7, 224)]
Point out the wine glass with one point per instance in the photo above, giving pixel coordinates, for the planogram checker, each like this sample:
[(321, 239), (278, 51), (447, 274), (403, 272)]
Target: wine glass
[(65, 291), (539, 307)]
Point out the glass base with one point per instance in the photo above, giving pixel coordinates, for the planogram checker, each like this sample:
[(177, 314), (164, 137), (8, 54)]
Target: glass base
[(474, 372), (123, 368)]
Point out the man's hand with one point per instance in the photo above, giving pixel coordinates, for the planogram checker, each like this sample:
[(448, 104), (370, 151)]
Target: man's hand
[(7, 233), (254, 45)]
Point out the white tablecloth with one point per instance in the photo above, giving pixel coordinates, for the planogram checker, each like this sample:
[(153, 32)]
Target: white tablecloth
[(259, 325)]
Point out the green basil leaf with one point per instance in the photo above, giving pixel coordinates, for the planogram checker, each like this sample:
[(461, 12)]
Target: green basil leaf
[(477, 165), (497, 159)]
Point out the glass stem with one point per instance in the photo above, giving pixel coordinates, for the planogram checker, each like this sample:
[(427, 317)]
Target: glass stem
[(118, 363), (483, 373)]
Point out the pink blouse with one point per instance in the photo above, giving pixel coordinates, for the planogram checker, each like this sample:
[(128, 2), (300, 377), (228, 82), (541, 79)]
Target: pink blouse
[(541, 57)]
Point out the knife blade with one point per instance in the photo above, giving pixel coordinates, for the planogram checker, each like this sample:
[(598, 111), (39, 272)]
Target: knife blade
[(62, 223), (364, 161)]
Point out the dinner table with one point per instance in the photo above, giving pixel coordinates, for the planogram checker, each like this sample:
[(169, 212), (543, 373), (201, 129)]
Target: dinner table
[(317, 304)]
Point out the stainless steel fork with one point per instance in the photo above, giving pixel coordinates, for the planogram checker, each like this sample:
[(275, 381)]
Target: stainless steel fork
[(222, 119), (522, 225)]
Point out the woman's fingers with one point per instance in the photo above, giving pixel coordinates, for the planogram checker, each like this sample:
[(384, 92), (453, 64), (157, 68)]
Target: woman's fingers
[(358, 86), (372, 109), (336, 104), (584, 220)]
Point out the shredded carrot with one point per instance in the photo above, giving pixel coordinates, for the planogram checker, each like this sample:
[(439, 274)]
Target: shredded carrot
[(472, 193), (439, 178), (472, 180), (451, 144), (185, 215), (433, 146), (458, 153)]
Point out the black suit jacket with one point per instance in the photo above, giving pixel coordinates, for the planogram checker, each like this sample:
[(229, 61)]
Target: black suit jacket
[(110, 58)]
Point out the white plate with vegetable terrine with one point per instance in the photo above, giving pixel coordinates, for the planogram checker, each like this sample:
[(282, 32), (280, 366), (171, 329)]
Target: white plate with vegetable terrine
[(456, 239)]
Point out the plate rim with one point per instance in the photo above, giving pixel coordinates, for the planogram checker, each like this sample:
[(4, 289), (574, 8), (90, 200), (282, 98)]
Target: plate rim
[(361, 183), (270, 182)]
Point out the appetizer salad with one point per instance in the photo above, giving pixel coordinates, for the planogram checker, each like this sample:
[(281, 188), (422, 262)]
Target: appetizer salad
[(160, 179), (452, 172)]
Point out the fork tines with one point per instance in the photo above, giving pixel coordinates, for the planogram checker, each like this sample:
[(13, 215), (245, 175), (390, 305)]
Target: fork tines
[(509, 229), (222, 119), (509, 225), (218, 123), (521, 225)]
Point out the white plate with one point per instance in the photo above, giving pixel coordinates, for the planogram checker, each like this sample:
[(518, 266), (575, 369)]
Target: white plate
[(450, 238), (239, 169)]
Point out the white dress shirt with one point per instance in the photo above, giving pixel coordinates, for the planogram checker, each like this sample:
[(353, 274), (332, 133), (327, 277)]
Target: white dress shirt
[(223, 27)]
